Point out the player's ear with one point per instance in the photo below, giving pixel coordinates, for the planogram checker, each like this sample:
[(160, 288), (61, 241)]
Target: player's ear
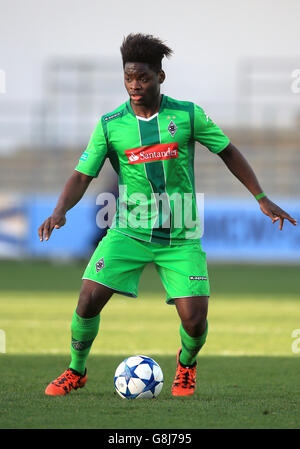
[(161, 76)]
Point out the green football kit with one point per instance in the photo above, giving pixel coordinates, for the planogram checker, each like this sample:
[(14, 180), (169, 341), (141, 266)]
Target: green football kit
[(157, 215)]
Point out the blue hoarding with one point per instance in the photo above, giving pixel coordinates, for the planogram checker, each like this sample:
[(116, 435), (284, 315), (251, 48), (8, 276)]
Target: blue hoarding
[(233, 231), (238, 230)]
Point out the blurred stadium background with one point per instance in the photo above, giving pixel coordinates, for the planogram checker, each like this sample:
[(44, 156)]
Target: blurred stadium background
[(60, 70)]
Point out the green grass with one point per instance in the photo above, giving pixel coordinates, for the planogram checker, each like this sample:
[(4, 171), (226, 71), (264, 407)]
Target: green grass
[(233, 392), (225, 279), (248, 376)]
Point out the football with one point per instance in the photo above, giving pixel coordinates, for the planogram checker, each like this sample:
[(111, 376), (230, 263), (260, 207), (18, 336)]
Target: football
[(138, 377)]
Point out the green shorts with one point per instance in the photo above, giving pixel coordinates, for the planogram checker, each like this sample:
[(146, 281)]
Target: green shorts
[(119, 260)]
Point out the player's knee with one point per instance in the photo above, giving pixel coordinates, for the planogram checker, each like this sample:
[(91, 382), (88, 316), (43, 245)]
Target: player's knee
[(194, 317), (195, 325), (85, 297), (85, 304), (92, 299)]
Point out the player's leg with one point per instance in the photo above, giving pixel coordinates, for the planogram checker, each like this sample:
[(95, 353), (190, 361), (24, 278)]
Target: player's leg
[(84, 329), (115, 266), (193, 329), (93, 297), (86, 321), (183, 271)]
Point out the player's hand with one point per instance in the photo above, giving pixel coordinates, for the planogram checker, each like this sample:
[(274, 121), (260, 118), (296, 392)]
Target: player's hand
[(275, 212), (56, 220)]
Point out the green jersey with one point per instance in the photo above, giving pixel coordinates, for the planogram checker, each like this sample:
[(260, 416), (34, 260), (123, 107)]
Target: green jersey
[(154, 159)]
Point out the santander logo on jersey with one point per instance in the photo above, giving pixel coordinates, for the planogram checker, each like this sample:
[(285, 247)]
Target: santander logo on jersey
[(152, 153), (133, 158)]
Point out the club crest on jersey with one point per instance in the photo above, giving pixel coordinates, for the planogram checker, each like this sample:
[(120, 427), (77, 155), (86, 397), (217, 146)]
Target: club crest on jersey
[(172, 128), (100, 264), (152, 153)]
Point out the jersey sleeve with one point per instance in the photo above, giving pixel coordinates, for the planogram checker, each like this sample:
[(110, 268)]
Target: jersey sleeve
[(93, 158), (207, 132)]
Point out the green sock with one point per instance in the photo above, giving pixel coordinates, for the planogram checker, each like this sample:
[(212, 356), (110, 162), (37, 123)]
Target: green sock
[(190, 346), (83, 331)]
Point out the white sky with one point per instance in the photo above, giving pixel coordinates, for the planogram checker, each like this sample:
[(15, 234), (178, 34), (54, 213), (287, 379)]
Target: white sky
[(209, 38)]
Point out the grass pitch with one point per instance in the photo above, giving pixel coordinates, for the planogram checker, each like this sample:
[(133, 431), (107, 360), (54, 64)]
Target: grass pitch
[(248, 375)]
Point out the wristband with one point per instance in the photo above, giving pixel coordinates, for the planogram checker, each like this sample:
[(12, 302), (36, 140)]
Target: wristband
[(260, 195)]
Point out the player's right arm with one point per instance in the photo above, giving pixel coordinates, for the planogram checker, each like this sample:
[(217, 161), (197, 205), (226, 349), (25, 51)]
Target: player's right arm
[(72, 193), (89, 166)]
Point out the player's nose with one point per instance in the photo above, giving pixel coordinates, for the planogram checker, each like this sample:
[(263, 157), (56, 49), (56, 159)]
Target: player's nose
[(135, 85)]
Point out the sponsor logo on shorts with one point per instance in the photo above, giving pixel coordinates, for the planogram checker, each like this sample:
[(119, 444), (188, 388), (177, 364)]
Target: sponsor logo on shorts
[(152, 153), (198, 278), (100, 264)]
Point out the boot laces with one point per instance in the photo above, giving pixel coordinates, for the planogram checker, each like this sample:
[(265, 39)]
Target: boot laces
[(67, 379), (185, 377)]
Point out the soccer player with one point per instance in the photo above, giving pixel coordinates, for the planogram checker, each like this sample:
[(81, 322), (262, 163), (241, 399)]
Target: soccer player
[(150, 141)]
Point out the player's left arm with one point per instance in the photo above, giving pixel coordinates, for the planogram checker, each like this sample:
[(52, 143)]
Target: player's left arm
[(241, 169)]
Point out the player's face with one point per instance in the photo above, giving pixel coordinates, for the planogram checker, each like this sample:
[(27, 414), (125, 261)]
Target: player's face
[(142, 83)]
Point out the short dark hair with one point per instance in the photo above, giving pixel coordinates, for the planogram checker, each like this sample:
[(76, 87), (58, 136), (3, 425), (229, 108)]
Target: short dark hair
[(144, 48)]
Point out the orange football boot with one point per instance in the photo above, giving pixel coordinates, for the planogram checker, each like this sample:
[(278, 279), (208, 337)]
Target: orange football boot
[(185, 379), (69, 380)]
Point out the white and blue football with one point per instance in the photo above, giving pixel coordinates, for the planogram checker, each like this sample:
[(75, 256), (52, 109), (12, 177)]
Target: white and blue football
[(138, 377)]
